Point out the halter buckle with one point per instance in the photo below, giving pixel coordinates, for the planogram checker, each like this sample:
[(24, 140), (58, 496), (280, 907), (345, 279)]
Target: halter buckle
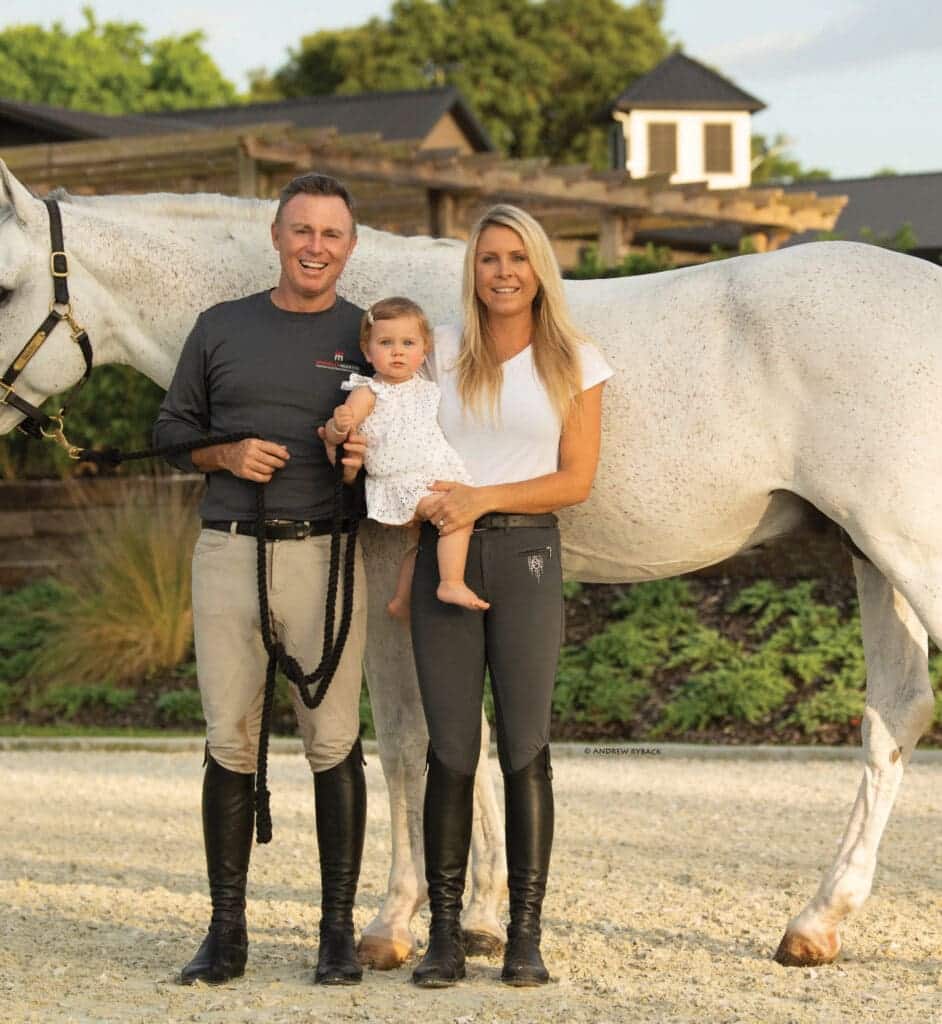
[(58, 435), (59, 263), (7, 391)]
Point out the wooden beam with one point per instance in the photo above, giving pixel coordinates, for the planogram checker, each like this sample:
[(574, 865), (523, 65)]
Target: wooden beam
[(256, 157)]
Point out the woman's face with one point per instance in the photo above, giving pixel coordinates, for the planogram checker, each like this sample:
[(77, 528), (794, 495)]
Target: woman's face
[(504, 278)]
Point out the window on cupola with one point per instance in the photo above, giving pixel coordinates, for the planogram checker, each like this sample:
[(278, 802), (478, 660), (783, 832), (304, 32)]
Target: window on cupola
[(662, 147), (718, 148)]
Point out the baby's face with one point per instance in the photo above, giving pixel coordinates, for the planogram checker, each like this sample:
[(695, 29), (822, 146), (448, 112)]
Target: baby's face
[(396, 348)]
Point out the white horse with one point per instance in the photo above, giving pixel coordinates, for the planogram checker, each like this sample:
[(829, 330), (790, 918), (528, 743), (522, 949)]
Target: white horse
[(746, 392)]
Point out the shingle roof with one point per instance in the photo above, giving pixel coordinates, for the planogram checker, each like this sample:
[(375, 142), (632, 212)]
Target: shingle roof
[(68, 125), (884, 204), (681, 83), (393, 115), (410, 114)]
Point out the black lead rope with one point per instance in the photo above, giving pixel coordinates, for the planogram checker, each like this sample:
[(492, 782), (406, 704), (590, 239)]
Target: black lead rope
[(278, 657)]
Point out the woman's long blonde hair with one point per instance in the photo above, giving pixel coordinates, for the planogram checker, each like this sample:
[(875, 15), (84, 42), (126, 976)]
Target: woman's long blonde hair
[(555, 339)]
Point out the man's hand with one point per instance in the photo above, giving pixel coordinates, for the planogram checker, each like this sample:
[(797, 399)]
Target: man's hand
[(354, 450), (252, 459)]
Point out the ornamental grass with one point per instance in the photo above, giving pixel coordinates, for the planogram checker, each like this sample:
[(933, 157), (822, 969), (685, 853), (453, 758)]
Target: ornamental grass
[(128, 614)]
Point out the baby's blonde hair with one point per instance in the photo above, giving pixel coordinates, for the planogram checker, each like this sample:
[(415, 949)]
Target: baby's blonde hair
[(391, 309), (555, 338)]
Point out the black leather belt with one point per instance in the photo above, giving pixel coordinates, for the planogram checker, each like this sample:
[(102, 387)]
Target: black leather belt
[(277, 529), (507, 521)]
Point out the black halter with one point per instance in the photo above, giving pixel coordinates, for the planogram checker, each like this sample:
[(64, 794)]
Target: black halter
[(36, 423)]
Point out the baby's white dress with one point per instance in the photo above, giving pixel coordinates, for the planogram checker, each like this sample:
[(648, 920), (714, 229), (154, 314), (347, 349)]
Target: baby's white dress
[(406, 450)]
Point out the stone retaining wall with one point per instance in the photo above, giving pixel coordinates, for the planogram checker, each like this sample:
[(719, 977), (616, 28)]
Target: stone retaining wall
[(43, 523)]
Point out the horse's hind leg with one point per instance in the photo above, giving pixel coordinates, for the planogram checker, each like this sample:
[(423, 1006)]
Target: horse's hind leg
[(899, 709)]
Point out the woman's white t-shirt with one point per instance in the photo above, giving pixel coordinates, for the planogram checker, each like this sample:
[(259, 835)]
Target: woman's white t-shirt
[(522, 441)]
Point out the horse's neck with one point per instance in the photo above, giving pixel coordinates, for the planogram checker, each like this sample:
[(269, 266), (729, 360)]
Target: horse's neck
[(160, 262)]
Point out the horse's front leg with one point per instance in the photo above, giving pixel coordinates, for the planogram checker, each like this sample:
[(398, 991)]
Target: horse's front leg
[(387, 941), (899, 708)]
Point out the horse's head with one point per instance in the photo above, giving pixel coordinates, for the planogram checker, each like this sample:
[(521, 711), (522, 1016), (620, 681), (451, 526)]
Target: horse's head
[(26, 293)]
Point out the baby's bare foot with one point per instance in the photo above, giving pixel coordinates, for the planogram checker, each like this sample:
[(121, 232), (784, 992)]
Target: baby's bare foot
[(457, 592), (398, 608)]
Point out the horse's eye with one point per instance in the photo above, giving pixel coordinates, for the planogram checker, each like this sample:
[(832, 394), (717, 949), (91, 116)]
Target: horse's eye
[(4, 295)]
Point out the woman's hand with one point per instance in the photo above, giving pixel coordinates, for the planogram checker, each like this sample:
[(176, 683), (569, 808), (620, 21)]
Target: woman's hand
[(459, 506)]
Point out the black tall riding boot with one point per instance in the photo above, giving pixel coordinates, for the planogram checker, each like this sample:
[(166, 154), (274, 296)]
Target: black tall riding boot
[(449, 804), (528, 801), (228, 817), (340, 810)]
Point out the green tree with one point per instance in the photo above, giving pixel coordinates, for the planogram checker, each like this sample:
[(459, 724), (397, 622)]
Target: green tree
[(539, 75), (772, 163), (108, 67)]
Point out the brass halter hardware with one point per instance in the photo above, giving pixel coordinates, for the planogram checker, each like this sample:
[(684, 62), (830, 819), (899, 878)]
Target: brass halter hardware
[(36, 423)]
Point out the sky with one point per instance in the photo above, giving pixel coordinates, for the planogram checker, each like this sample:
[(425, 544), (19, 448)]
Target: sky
[(855, 85)]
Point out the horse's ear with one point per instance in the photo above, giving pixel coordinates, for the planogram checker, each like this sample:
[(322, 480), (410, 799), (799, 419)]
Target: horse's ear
[(12, 193)]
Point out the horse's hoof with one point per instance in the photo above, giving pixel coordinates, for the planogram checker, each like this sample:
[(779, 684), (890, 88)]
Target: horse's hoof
[(382, 954), (482, 944), (796, 950)]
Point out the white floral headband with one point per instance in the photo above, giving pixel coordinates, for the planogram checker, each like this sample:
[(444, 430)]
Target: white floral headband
[(369, 316)]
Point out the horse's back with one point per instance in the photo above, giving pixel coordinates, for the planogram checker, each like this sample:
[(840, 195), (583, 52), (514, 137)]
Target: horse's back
[(798, 371)]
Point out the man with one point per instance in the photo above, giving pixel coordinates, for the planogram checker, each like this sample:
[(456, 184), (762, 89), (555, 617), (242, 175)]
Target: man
[(271, 364)]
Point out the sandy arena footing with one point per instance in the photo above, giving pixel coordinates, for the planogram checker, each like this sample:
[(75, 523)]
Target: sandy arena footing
[(672, 881)]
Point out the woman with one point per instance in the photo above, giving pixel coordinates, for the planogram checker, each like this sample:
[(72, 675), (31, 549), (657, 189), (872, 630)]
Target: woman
[(521, 403)]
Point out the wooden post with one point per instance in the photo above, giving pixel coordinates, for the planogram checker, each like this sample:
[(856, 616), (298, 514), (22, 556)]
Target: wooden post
[(757, 241), (248, 174), (616, 232), (777, 237), (441, 213)]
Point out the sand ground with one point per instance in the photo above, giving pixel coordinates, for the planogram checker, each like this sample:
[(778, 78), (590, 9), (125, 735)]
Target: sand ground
[(671, 884)]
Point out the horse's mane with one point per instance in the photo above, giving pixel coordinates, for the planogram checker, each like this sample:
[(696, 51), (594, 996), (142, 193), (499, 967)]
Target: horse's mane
[(214, 207), (168, 204)]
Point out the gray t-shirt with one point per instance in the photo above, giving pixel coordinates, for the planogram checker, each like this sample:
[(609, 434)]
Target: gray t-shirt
[(249, 366)]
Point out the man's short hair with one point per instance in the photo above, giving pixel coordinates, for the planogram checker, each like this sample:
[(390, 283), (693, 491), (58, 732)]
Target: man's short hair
[(313, 184)]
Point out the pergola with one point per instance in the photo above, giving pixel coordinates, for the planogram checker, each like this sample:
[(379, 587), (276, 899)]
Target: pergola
[(404, 188)]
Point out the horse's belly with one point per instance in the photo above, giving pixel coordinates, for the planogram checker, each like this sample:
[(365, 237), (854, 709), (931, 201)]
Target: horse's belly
[(625, 539)]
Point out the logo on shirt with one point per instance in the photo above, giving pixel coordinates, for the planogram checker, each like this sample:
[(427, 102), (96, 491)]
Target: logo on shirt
[(339, 363)]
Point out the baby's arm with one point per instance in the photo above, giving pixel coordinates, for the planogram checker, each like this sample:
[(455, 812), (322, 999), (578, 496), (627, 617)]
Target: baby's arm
[(350, 415)]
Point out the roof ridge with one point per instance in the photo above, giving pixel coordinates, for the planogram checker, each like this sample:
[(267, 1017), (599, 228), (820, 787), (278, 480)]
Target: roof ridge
[(442, 90), (679, 67), (872, 177)]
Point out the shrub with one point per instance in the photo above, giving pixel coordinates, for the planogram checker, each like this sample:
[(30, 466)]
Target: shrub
[(129, 612), (603, 682), (651, 261), (799, 646), (743, 688), (8, 697), (68, 701), (181, 707), (23, 626)]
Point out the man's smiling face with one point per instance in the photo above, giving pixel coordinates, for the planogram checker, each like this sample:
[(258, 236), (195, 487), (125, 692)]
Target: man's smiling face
[(314, 237)]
